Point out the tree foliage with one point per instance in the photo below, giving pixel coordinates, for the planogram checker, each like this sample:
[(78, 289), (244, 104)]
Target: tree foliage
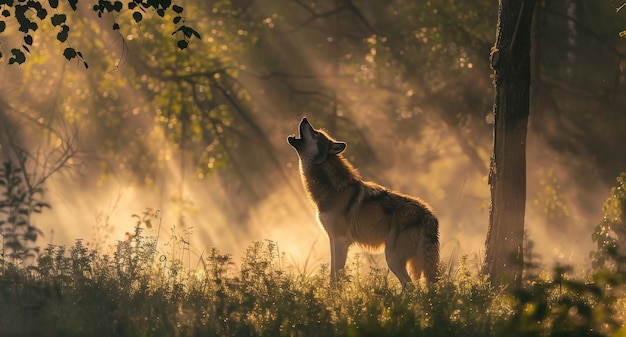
[(610, 234), (29, 15)]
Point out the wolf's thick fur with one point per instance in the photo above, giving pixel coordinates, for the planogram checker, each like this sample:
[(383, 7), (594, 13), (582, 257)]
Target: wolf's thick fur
[(355, 211)]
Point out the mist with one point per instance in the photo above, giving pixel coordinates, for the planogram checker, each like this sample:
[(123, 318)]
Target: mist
[(410, 95)]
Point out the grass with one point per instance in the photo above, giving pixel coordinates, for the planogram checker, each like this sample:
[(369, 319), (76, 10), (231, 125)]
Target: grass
[(139, 291), (135, 292)]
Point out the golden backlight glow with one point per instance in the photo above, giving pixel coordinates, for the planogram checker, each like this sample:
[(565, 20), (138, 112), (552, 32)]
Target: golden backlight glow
[(459, 195), (433, 164)]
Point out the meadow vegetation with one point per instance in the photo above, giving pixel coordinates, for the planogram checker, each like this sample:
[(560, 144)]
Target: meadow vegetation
[(138, 292), (141, 290)]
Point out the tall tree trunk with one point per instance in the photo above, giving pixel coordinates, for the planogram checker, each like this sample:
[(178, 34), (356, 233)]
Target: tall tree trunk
[(510, 59)]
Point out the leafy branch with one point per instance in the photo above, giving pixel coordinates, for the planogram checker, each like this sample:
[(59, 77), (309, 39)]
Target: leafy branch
[(29, 14), (18, 202)]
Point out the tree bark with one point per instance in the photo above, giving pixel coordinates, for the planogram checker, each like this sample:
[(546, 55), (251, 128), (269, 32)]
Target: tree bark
[(510, 59)]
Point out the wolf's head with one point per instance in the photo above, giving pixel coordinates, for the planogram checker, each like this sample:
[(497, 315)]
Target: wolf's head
[(314, 146)]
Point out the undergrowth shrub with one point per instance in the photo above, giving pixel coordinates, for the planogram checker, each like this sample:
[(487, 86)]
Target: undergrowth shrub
[(140, 291), (78, 291), (610, 234), (81, 292), (562, 305)]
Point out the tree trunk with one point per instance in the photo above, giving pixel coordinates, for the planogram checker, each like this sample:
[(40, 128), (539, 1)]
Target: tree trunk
[(510, 59)]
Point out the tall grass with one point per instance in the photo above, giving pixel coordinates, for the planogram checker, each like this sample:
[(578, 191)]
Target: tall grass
[(79, 292), (138, 291)]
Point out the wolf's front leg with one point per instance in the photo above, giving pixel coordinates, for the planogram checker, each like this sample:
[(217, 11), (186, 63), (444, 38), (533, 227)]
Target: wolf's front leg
[(338, 254)]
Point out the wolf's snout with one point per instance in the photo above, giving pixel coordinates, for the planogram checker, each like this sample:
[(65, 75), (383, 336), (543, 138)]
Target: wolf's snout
[(295, 141), (306, 130), (291, 140), (304, 125)]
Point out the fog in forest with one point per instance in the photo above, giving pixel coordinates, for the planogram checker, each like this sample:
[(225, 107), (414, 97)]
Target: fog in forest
[(195, 140), (458, 193)]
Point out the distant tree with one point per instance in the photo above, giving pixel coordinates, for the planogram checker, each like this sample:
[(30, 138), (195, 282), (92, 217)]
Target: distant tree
[(28, 15), (510, 59)]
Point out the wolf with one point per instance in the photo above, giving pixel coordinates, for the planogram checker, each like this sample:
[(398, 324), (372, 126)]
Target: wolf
[(355, 211)]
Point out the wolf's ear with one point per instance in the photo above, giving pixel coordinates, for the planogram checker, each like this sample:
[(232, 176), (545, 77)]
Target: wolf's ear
[(327, 148), (337, 147)]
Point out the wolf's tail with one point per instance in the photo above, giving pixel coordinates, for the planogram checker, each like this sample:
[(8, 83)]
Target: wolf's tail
[(426, 259)]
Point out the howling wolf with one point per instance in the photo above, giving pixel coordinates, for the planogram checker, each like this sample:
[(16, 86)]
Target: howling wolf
[(355, 211)]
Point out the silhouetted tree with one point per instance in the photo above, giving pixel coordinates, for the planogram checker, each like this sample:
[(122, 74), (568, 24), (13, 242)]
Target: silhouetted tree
[(510, 59)]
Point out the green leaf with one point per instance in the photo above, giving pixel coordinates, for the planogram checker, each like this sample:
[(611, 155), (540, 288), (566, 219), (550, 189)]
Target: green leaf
[(39, 206), (58, 19), (182, 44), (137, 16), (14, 245), (69, 53), (26, 25), (177, 9), (186, 30), (30, 236), (18, 56), (73, 4), (42, 13), (165, 3), (33, 5), (62, 35), (196, 34)]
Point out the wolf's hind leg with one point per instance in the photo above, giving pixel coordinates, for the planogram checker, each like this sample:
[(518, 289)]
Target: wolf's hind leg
[(416, 266), (396, 261)]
